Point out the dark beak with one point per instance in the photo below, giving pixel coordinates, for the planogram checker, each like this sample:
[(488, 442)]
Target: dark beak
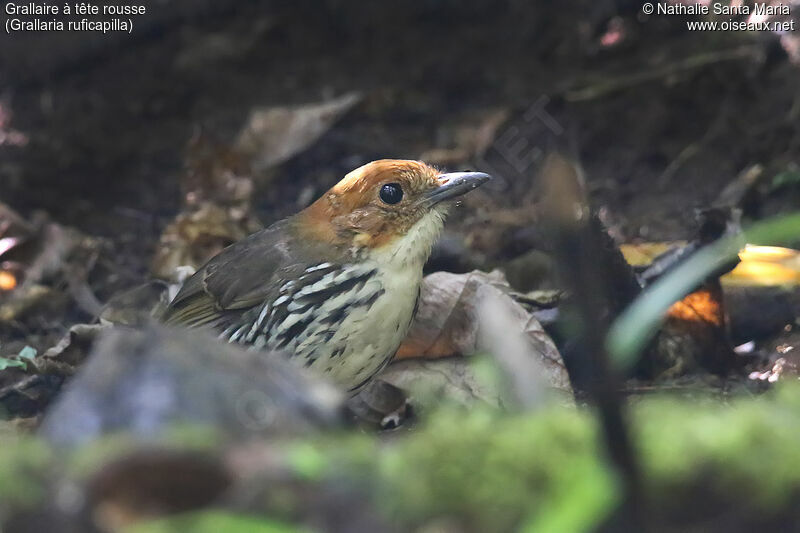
[(454, 184)]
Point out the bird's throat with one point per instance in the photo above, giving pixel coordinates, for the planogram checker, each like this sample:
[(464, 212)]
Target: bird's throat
[(412, 249)]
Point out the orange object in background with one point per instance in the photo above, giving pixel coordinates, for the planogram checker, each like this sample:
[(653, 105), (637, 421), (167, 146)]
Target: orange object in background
[(8, 281), (765, 265), (760, 265)]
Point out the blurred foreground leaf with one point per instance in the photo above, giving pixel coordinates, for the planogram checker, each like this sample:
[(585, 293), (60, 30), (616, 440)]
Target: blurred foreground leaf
[(481, 470), (21, 461)]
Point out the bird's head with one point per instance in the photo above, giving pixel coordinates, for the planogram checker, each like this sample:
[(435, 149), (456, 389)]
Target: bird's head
[(390, 206)]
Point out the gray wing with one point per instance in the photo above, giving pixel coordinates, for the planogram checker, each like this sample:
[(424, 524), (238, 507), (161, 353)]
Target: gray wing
[(242, 276)]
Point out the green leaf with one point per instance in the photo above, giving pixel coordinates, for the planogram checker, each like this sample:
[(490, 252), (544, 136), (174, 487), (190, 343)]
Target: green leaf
[(16, 361), (786, 178), (12, 363), (27, 352)]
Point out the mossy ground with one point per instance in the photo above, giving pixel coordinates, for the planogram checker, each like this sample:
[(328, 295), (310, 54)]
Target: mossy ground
[(542, 471)]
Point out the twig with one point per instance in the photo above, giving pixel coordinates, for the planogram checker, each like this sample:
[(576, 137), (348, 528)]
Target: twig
[(625, 81), (683, 156), (734, 192), (692, 149), (590, 266)]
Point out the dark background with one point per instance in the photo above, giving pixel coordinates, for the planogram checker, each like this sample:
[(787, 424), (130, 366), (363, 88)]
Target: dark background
[(107, 118)]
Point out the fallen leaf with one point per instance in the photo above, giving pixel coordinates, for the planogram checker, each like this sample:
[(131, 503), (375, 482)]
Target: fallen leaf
[(272, 135), (450, 321), (74, 347), (468, 136), (445, 323), (642, 254), (217, 187), (429, 383), (194, 237), (218, 182)]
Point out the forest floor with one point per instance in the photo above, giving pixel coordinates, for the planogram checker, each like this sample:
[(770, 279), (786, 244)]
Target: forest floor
[(124, 158)]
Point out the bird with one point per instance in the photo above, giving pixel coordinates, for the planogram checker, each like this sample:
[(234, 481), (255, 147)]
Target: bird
[(335, 286)]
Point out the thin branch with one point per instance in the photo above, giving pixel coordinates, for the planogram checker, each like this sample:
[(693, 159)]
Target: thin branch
[(626, 81)]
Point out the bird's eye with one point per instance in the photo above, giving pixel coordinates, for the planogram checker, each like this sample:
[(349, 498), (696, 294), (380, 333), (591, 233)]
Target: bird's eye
[(391, 193)]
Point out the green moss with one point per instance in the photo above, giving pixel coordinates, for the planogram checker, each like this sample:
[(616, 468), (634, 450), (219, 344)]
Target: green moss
[(494, 472), (543, 471), (489, 471), (745, 451), (548, 472), (213, 522), (23, 461), (307, 461)]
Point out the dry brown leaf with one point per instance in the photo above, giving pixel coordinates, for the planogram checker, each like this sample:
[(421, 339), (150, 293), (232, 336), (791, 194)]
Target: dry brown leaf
[(450, 321), (446, 321), (272, 135), (195, 236), (218, 182), (468, 136), (216, 172), (642, 253), (217, 187), (428, 383), (37, 259)]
